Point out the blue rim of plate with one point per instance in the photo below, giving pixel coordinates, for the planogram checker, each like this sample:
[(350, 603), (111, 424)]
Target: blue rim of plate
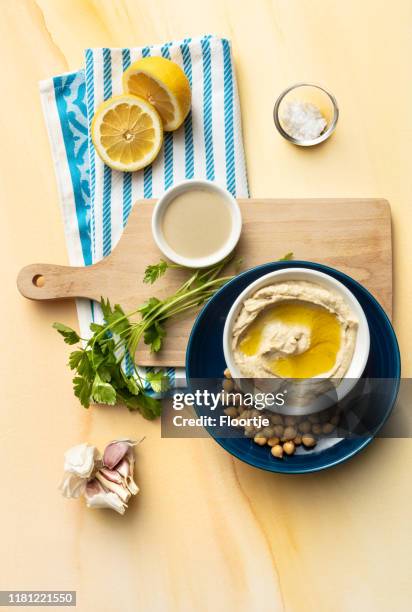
[(278, 466)]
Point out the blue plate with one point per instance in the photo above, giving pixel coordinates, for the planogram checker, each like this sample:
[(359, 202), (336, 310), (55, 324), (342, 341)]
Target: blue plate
[(205, 359)]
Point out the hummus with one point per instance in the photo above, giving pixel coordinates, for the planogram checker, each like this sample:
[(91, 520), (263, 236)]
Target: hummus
[(294, 329)]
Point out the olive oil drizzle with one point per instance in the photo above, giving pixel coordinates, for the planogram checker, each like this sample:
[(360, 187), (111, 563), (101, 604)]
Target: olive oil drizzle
[(316, 329)]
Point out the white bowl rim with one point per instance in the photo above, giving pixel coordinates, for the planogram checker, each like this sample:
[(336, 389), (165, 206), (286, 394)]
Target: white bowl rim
[(362, 345), (164, 201)]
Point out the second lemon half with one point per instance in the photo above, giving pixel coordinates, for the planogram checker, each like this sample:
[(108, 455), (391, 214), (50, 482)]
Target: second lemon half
[(162, 83)]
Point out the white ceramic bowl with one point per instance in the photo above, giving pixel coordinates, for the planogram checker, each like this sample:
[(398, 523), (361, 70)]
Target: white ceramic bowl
[(362, 345), (213, 258)]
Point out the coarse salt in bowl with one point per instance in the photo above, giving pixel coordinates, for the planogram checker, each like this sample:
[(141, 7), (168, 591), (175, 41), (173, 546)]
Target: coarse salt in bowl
[(306, 114)]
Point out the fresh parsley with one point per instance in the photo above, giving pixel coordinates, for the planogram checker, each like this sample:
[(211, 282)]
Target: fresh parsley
[(152, 273), (105, 368), (69, 335), (159, 381)]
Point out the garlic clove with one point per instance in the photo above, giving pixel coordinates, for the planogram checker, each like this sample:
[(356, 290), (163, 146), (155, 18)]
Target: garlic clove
[(72, 485), (115, 451), (112, 475), (119, 489), (125, 469), (80, 460), (97, 497)]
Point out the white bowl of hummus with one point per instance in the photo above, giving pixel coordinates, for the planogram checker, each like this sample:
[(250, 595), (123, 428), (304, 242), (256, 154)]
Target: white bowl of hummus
[(300, 325)]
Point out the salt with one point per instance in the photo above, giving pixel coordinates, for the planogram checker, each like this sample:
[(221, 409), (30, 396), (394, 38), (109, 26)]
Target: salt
[(303, 120)]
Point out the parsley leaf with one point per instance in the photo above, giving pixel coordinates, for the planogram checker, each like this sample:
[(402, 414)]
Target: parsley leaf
[(159, 381), (70, 336), (150, 407), (103, 392), (287, 257), (146, 308), (154, 335), (82, 389), (152, 273), (96, 328), (105, 373), (106, 308), (114, 317), (79, 360), (75, 359), (128, 400), (132, 385)]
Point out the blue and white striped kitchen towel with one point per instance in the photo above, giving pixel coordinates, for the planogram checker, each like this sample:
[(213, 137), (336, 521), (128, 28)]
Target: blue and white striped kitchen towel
[(95, 200)]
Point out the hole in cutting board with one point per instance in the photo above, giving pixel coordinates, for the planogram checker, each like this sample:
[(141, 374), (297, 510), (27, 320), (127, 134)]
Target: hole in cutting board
[(38, 280)]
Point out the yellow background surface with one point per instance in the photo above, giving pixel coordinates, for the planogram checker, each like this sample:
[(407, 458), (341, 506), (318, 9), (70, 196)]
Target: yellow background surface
[(206, 532)]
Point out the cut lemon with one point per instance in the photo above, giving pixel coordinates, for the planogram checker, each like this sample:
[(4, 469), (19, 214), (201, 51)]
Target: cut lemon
[(162, 83), (127, 132)]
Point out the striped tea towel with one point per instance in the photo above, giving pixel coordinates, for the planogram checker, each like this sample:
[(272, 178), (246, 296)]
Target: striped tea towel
[(95, 200)]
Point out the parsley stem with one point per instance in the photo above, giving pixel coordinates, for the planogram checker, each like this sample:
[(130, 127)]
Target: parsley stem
[(172, 306)]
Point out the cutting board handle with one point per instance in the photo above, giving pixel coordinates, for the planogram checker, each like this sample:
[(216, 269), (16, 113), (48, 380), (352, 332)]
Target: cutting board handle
[(49, 282)]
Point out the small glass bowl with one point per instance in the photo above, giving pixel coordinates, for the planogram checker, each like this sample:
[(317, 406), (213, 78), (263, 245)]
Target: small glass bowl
[(308, 92)]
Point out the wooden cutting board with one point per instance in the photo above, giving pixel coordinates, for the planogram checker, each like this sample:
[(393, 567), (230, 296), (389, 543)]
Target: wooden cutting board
[(352, 235)]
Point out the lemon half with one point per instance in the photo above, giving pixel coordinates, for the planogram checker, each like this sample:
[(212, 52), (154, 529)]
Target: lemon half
[(127, 132), (162, 83)]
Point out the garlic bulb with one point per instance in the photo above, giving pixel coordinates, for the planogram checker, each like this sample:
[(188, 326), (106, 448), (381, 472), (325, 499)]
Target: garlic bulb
[(105, 482)]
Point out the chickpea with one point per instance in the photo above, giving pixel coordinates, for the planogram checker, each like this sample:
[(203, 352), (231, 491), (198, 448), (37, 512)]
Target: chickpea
[(259, 439), (298, 440), (267, 432), (277, 451), (290, 420), (231, 411), (244, 414), (249, 431), (328, 428), (289, 447), (289, 433), (324, 416), (278, 431), (228, 385), (305, 427), (227, 373), (314, 418), (335, 419), (317, 428), (308, 441), (273, 441), (277, 419)]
